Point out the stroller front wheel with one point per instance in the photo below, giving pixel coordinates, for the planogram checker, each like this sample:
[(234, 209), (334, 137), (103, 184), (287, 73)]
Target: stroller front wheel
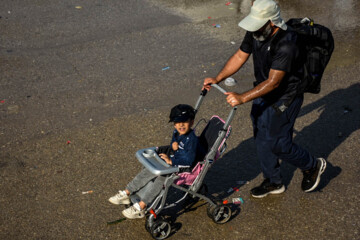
[(161, 229), (219, 214)]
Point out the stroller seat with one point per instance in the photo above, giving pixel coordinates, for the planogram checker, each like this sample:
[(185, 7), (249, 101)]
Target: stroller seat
[(206, 140)]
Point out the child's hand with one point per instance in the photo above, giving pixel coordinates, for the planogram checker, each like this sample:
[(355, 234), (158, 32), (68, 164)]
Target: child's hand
[(165, 158), (175, 146)]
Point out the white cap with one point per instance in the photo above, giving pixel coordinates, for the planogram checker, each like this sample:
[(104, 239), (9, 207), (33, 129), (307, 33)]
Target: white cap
[(261, 12)]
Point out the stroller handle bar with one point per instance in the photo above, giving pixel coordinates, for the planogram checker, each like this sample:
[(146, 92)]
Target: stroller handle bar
[(219, 88), (201, 98)]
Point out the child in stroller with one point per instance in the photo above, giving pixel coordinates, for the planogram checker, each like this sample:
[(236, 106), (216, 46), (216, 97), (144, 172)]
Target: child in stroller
[(182, 151), (213, 140)]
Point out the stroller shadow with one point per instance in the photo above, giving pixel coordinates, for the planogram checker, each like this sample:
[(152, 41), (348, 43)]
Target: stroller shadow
[(190, 204), (339, 118)]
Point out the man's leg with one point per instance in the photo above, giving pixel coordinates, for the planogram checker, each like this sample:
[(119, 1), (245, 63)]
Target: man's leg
[(285, 149), (281, 125), (268, 161), (273, 132)]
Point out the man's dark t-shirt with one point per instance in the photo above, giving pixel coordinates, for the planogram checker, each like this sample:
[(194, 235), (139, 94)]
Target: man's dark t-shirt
[(284, 56)]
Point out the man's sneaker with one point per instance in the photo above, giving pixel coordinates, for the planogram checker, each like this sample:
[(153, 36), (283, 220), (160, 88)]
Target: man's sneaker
[(133, 213), (312, 177), (120, 198), (266, 188)]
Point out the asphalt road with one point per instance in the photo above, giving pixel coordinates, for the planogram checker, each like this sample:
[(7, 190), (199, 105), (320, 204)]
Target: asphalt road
[(84, 84)]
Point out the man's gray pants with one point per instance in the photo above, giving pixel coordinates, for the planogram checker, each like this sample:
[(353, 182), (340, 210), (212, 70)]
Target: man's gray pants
[(146, 185)]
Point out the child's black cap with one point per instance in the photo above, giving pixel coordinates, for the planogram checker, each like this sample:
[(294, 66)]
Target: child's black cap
[(182, 113)]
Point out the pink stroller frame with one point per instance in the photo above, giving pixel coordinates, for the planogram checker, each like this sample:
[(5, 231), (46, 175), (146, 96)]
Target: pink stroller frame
[(213, 139)]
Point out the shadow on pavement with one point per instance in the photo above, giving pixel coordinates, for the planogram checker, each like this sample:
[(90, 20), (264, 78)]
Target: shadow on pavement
[(188, 205), (340, 116)]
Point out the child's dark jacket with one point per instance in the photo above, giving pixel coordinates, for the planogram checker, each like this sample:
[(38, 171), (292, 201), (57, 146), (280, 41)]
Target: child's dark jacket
[(188, 147)]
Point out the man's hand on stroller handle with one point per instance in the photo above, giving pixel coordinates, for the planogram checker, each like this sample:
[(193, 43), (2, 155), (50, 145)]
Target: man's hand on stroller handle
[(234, 98), (208, 82), (165, 158)]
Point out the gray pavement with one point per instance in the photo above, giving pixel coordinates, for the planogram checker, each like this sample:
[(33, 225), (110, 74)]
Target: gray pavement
[(82, 87)]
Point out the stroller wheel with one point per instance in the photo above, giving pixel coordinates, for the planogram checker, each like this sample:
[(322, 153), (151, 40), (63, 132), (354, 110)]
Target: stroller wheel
[(160, 229), (219, 214)]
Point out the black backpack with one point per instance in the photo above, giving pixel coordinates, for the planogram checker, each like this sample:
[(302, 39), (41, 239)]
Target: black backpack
[(317, 44)]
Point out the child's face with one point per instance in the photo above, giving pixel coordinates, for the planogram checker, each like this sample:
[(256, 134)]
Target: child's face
[(183, 127)]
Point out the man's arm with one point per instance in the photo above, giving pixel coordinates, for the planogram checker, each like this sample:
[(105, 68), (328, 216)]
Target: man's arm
[(274, 80), (232, 66)]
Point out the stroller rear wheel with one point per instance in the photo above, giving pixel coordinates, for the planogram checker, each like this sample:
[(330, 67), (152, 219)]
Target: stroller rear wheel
[(161, 229), (219, 214)]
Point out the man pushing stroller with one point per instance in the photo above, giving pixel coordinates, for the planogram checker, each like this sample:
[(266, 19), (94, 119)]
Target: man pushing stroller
[(181, 152)]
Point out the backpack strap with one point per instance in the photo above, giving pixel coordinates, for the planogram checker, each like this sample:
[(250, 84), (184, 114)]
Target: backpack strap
[(274, 41)]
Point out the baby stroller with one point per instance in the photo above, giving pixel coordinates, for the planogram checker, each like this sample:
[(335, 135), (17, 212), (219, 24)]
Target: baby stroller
[(213, 139)]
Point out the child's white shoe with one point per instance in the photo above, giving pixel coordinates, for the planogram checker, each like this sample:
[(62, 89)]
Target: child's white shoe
[(133, 212), (120, 198)]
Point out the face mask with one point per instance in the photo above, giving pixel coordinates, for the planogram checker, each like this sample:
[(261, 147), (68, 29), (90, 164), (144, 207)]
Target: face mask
[(262, 35)]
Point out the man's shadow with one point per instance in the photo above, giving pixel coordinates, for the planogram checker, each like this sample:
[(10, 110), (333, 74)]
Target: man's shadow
[(340, 116)]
